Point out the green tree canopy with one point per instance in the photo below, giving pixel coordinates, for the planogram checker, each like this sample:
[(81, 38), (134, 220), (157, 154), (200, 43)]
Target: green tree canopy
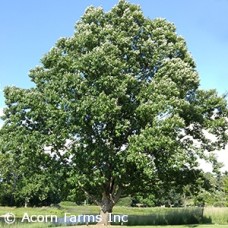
[(119, 105)]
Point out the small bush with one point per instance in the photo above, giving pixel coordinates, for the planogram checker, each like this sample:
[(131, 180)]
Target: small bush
[(126, 202)]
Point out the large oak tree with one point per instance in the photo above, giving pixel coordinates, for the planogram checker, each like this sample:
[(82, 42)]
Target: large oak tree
[(119, 105)]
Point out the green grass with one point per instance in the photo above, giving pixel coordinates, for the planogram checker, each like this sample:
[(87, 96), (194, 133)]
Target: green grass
[(179, 226), (80, 210), (24, 225), (137, 216), (37, 225), (161, 216), (218, 215), (19, 211)]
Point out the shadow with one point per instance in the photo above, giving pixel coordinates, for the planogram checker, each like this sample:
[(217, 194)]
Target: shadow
[(192, 226), (172, 216)]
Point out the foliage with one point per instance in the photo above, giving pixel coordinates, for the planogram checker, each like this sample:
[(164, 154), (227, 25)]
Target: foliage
[(208, 190), (225, 187), (213, 194), (25, 180), (126, 202), (120, 108)]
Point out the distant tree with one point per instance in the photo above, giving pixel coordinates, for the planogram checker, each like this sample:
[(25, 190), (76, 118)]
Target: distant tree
[(212, 191), (185, 187), (224, 180), (119, 105), (27, 180), (225, 187), (9, 177)]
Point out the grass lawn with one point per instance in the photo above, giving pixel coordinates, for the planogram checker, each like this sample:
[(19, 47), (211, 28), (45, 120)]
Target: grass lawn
[(136, 216), (77, 210), (180, 226), (19, 211)]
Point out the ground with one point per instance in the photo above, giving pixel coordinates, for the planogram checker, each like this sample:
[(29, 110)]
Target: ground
[(181, 226)]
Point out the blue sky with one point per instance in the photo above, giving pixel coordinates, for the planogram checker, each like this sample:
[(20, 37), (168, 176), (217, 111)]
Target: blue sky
[(30, 28)]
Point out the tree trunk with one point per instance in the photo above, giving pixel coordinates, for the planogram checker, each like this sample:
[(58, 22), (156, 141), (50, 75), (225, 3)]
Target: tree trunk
[(106, 210), (26, 202)]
